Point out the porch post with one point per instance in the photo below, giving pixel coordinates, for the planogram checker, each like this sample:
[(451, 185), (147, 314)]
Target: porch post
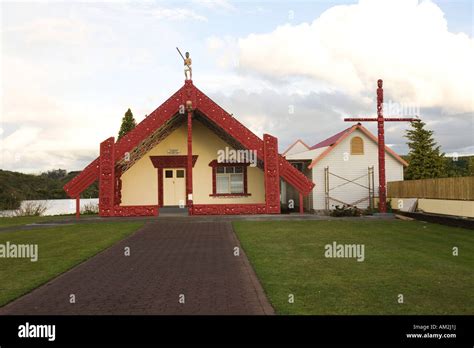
[(189, 169), (107, 177), (78, 207), (271, 172), (301, 203)]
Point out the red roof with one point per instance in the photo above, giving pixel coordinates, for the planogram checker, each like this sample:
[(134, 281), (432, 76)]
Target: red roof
[(331, 140)]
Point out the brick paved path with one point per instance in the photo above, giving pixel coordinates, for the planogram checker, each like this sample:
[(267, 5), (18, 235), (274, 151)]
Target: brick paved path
[(167, 259)]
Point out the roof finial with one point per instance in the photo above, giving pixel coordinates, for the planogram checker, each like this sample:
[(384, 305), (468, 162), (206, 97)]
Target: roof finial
[(187, 65)]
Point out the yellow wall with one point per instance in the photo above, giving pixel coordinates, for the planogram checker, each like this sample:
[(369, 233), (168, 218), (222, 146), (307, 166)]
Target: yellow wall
[(140, 182), (442, 206)]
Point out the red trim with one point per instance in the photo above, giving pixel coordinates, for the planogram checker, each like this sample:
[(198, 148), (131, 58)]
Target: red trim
[(245, 181), (229, 209), (230, 194), (136, 210), (160, 186), (214, 171), (214, 164), (175, 161)]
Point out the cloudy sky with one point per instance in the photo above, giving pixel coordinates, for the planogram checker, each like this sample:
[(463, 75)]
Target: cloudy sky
[(294, 69)]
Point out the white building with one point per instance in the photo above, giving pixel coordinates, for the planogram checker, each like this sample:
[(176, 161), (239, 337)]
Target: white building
[(344, 168)]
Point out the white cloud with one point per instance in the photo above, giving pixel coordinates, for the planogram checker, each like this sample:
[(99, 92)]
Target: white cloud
[(53, 30), (216, 4), (406, 43), (224, 50), (176, 14)]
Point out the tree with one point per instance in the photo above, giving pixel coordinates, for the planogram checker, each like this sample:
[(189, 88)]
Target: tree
[(128, 123), (470, 166), (55, 173), (424, 157), (456, 166)]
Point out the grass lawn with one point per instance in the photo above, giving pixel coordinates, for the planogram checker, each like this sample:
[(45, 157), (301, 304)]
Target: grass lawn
[(59, 249), (25, 220), (411, 258)]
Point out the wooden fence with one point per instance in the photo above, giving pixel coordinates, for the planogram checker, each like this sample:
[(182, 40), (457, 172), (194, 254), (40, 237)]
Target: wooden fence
[(459, 188)]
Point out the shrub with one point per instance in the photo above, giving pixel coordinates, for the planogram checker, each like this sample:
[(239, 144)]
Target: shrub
[(31, 209), (90, 209), (345, 210)]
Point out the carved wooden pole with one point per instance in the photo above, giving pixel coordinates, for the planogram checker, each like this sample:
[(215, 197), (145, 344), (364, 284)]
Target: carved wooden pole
[(107, 177), (381, 141), (189, 170), (272, 176)]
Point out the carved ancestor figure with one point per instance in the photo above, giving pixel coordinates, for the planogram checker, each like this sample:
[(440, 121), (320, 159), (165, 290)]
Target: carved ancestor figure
[(187, 65)]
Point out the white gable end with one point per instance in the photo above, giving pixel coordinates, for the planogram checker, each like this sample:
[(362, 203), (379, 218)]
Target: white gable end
[(343, 164), (296, 148), (306, 155)]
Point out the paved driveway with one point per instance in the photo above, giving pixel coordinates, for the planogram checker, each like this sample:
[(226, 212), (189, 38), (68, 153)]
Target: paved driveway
[(168, 259)]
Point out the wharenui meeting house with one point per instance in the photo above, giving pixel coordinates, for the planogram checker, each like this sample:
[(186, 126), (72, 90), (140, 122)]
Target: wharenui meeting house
[(189, 153)]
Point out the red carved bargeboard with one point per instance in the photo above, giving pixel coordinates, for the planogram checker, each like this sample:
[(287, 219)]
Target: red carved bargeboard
[(136, 210), (228, 209)]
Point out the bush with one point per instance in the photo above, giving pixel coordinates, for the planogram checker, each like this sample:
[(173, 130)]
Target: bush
[(345, 210), (9, 201), (90, 209), (31, 209), (368, 211)]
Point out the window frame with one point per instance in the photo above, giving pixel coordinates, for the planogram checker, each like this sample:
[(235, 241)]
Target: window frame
[(214, 164)]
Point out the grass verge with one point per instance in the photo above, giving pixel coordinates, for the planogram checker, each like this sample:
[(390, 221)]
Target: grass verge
[(411, 258), (59, 249)]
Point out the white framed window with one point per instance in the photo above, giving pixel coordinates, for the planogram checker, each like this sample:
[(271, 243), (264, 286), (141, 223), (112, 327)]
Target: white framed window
[(229, 180)]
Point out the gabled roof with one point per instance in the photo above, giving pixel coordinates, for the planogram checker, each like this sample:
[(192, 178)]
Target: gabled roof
[(292, 145), (161, 118), (333, 141)]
